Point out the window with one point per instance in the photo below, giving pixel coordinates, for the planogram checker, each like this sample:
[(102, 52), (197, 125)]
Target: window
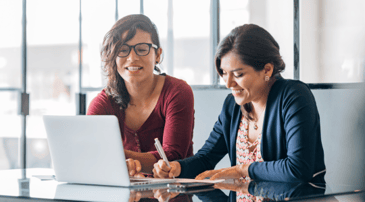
[(274, 16), (10, 82), (332, 34), (52, 69), (331, 37), (97, 19)]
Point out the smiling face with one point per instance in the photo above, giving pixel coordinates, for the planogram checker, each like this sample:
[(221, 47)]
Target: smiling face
[(247, 84), (135, 68)]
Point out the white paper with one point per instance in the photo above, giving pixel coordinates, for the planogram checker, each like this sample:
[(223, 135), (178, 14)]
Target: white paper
[(186, 180)]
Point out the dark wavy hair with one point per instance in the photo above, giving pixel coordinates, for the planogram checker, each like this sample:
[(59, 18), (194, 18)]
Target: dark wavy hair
[(110, 48), (255, 47)]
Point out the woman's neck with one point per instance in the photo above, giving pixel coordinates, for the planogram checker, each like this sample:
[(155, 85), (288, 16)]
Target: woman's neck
[(143, 91), (259, 105)]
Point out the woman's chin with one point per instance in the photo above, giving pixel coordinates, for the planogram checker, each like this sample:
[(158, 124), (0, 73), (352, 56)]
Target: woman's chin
[(239, 101)]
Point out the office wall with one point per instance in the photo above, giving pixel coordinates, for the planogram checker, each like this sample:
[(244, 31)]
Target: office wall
[(344, 149)]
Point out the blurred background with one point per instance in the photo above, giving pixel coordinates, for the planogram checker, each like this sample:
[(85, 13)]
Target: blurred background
[(63, 52)]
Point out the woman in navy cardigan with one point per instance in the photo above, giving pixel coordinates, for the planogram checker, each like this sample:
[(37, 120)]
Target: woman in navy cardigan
[(269, 126)]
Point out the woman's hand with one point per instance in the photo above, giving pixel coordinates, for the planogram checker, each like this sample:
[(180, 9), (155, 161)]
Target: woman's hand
[(234, 172), (236, 185), (208, 173), (162, 195), (161, 170), (134, 168)]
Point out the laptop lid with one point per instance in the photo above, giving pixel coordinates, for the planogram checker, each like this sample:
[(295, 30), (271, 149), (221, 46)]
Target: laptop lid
[(89, 150)]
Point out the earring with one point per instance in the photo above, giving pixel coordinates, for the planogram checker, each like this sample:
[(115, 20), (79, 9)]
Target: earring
[(267, 78)]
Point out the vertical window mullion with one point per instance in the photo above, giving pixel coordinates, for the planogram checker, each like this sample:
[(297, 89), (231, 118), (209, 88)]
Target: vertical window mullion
[(116, 10), (24, 97), (80, 97), (141, 10), (214, 39), (170, 39)]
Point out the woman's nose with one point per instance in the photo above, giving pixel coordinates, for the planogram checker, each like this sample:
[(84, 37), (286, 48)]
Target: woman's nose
[(132, 55), (230, 81)]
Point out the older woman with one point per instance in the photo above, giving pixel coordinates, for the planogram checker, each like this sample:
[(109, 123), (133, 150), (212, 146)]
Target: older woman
[(269, 126), (148, 105)]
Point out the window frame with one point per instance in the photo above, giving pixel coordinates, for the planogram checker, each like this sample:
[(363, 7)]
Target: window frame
[(23, 98)]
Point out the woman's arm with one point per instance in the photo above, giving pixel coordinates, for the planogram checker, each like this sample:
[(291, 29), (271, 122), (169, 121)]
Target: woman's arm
[(178, 109), (300, 142), (215, 147), (146, 160)]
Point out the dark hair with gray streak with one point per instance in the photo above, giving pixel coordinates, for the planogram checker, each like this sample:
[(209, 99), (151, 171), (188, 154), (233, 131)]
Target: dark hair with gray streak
[(255, 47), (110, 48)]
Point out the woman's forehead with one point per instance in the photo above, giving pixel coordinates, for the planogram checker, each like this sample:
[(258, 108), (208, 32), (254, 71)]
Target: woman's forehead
[(140, 36), (231, 62)]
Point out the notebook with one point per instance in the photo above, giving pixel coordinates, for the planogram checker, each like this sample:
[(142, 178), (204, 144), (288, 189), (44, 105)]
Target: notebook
[(89, 150)]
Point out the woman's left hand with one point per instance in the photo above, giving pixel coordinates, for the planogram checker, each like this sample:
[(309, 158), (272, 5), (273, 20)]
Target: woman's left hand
[(234, 172), (236, 185), (134, 168)]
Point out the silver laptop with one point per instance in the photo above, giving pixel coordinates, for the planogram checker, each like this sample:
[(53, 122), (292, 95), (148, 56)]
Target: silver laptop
[(89, 150)]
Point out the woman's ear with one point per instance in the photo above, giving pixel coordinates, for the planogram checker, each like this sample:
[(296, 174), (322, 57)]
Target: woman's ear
[(158, 55), (269, 69)]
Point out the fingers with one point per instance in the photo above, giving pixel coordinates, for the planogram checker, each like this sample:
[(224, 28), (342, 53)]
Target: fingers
[(161, 195), (139, 175), (206, 174), (138, 165), (134, 166), (131, 167), (226, 174), (161, 170), (175, 169), (134, 196)]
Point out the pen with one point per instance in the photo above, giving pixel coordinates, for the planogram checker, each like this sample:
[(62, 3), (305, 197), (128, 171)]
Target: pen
[(161, 152)]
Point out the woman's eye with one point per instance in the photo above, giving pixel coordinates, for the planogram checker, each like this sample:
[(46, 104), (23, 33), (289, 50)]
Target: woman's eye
[(238, 75)]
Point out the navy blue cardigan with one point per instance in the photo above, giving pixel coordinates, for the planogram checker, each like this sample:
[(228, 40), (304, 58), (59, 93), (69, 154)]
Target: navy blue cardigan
[(291, 138)]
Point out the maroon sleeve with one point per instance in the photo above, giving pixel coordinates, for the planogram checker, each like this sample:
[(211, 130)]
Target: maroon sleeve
[(100, 105), (179, 121)]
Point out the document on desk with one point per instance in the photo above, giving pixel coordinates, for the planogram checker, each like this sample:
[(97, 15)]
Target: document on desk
[(186, 180)]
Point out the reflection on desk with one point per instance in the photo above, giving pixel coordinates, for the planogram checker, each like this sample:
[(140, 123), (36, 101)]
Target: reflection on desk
[(13, 189), (263, 191)]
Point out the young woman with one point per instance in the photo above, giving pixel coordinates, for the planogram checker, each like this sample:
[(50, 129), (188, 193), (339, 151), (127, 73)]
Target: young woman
[(148, 105)]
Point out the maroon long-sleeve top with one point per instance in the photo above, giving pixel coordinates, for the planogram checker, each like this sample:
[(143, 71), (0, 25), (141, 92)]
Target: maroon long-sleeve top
[(172, 121)]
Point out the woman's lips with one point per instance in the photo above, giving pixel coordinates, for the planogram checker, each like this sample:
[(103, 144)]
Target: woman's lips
[(236, 92), (133, 68)]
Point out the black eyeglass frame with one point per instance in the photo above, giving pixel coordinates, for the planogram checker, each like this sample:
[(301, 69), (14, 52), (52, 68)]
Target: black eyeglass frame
[(134, 48)]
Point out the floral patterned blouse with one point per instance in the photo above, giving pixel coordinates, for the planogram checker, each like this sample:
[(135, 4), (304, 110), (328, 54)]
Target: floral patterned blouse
[(244, 156)]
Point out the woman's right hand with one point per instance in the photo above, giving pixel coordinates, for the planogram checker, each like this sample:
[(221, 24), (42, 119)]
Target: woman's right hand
[(161, 170), (134, 168)]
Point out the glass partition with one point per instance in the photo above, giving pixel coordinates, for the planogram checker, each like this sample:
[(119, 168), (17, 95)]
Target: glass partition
[(184, 29), (52, 69), (332, 34)]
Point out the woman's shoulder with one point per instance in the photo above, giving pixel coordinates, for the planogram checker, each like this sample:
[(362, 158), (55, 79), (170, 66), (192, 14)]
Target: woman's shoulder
[(173, 84), (100, 104), (290, 87), (173, 81), (286, 92), (102, 98)]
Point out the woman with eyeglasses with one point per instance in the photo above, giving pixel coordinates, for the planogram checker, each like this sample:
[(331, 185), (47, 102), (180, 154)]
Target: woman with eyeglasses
[(148, 104), (269, 126)]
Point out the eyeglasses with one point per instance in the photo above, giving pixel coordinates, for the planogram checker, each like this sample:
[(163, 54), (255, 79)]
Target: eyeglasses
[(141, 49)]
